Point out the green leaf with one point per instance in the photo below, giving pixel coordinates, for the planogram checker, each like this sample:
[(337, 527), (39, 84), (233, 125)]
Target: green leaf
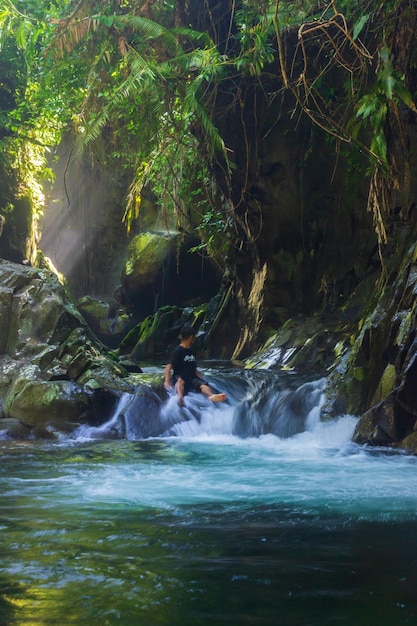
[(149, 29), (384, 54), (359, 26), (368, 105), (388, 82), (379, 146), (107, 20), (404, 95)]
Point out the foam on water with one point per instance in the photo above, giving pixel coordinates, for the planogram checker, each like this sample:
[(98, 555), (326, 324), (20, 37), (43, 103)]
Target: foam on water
[(317, 470), (198, 459), (192, 526), (200, 417)]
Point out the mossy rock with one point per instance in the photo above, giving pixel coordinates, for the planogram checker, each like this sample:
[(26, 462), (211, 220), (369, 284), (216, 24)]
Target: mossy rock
[(36, 402), (94, 308), (410, 443), (378, 426), (157, 332), (386, 384), (364, 428), (300, 343), (156, 335), (146, 254)]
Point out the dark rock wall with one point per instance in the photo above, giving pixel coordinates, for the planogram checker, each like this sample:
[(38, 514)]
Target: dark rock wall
[(305, 238)]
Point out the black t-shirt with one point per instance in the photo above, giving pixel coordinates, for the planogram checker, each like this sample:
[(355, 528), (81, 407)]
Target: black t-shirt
[(183, 363)]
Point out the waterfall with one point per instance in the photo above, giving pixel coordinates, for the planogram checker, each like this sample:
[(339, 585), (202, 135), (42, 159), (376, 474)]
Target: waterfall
[(280, 412), (257, 404), (114, 428)]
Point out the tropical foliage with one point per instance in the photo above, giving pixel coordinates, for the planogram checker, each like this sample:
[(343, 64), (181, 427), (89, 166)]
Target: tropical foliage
[(145, 76), (31, 101)]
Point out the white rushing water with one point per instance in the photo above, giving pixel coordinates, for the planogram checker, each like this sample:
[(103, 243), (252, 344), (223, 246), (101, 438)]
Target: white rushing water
[(202, 525), (317, 470), (202, 460)]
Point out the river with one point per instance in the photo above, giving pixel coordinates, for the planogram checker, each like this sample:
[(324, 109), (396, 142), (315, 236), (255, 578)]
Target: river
[(205, 526)]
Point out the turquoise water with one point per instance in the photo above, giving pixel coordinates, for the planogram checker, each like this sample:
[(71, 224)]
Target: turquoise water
[(208, 528)]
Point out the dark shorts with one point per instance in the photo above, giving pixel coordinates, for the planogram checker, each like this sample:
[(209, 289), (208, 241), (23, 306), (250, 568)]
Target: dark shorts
[(191, 385)]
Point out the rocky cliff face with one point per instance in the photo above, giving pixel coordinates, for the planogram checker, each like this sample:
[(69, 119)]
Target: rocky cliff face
[(304, 248), (54, 373), (376, 376), (305, 239)]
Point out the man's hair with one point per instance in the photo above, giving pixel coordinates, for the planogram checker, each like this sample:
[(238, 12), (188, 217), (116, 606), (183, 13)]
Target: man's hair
[(187, 331)]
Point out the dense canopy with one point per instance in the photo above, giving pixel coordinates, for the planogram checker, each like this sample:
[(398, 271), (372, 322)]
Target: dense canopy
[(152, 80)]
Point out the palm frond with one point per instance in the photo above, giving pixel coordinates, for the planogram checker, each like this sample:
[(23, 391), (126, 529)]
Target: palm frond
[(142, 79), (150, 30), (202, 38), (192, 104)]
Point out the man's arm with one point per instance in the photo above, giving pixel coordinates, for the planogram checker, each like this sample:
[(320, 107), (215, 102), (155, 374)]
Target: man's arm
[(167, 381)]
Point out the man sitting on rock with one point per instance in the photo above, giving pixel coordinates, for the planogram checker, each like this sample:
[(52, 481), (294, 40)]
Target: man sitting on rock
[(185, 376)]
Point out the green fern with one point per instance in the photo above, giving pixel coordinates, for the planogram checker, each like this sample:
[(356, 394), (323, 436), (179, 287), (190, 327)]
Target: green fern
[(149, 29)]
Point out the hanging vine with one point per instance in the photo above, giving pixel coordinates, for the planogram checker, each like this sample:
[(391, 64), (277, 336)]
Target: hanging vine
[(147, 76), (374, 85)]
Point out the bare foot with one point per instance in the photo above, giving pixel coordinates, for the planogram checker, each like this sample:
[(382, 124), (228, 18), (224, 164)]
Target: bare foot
[(181, 401), (217, 397)]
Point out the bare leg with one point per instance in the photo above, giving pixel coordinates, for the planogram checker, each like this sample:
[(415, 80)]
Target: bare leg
[(214, 397), (179, 388)]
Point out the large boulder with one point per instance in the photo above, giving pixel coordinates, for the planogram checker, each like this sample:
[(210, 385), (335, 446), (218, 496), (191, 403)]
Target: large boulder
[(54, 372), (35, 311), (165, 269), (146, 255), (35, 401)]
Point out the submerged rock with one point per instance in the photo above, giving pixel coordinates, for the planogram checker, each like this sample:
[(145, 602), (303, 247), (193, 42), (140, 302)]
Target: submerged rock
[(142, 415), (14, 429), (137, 416)]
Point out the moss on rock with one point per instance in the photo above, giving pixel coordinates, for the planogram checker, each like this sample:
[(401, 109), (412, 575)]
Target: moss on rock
[(410, 443), (145, 257)]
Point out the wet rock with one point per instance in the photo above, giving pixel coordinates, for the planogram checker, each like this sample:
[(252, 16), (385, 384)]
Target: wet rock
[(157, 335), (52, 367), (36, 402), (142, 415), (6, 296), (300, 343), (378, 426), (283, 414), (153, 336), (107, 319), (410, 443), (139, 417), (146, 254), (376, 371), (14, 429), (130, 366)]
